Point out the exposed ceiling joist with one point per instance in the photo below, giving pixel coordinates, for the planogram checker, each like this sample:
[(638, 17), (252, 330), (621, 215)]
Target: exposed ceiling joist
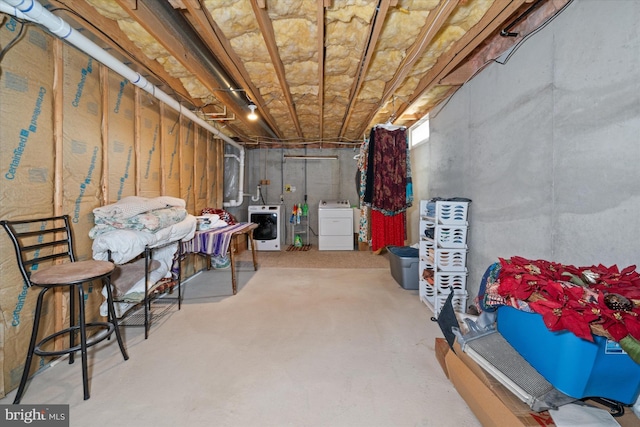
[(320, 23), (435, 21), (377, 24), (270, 39), (220, 47), (320, 71)]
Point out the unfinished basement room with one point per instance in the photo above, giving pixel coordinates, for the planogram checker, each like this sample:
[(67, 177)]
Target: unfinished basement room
[(320, 213)]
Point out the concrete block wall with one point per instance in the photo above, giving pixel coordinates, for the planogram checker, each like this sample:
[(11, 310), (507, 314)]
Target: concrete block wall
[(547, 146), (293, 178)]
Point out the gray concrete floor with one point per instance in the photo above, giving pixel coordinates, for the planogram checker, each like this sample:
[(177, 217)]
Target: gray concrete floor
[(294, 347)]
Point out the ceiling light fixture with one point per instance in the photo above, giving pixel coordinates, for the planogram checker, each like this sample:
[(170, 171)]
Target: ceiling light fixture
[(252, 115)]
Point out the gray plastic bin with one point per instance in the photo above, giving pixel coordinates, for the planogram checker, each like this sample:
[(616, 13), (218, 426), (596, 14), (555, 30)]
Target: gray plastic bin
[(403, 261)]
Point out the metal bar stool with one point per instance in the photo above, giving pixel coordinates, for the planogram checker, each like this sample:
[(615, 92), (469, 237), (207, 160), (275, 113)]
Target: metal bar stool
[(40, 244)]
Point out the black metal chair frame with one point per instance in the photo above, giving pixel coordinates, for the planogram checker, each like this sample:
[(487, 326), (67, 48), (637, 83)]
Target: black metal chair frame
[(54, 234)]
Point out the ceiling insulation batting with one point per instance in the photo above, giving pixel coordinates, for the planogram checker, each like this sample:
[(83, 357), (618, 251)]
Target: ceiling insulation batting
[(347, 29), (240, 26), (322, 73), (464, 17), (109, 9)]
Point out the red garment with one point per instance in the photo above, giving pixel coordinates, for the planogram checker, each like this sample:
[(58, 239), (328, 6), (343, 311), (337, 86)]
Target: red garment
[(387, 230)]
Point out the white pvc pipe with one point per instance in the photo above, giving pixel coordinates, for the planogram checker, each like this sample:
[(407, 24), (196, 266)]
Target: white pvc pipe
[(238, 200), (10, 10), (34, 11)]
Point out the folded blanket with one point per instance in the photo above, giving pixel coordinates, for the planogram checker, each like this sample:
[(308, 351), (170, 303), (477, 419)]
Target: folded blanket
[(151, 221), (125, 276), (131, 206), (172, 201), (126, 244), (215, 241)]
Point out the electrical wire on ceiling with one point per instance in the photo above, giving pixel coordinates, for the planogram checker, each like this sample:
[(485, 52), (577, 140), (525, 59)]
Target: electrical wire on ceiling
[(505, 31), (174, 126), (384, 108), (534, 31), (16, 39), (392, 117), (372, 27)]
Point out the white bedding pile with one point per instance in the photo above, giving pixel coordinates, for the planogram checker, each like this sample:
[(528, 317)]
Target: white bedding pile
[(126, 244)]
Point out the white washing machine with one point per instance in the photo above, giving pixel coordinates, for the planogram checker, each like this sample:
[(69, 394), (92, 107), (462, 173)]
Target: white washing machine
[(335, 225), (268, 234)]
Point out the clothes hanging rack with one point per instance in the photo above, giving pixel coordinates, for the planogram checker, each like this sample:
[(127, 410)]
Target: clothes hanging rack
[(389, 126)]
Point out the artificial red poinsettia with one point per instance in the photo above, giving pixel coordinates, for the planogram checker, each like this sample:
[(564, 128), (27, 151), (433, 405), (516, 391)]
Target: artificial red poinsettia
[(584, 300), (632, 322), (520, 286), (627, 285), (555, 291), (619, 323), (563, 306), (608, 277), (507, 266), (569, 315)]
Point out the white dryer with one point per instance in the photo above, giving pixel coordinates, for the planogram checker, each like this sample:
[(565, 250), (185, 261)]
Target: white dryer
[(335, 225), (268, 234)]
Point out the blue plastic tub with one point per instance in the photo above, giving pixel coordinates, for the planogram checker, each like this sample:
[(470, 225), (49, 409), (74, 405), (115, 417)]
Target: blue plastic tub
[(575, 366), (403, 261)]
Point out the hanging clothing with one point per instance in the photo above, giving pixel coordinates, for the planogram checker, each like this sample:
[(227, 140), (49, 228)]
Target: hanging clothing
[(387, 171), (363, 226), (388, 188), (387, 230)]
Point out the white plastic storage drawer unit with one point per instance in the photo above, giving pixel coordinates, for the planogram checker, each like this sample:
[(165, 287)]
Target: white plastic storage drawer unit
[(443, 253), (451, 236), (451, 212)]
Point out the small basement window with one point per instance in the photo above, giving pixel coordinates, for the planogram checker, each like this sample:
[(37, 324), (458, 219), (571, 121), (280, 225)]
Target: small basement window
[(419, 133)]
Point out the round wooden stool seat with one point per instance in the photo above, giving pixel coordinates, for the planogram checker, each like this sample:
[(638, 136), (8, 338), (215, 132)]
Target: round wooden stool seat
[(71, 272)]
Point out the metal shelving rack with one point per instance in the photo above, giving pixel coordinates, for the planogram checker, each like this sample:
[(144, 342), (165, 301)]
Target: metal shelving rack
[(301, 230), (154, 305)]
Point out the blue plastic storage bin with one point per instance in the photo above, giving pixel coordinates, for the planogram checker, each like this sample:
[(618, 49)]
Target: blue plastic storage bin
[(575, 366), (403, 261)]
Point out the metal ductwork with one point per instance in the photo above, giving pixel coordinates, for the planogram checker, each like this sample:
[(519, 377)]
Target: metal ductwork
[(176, 24)]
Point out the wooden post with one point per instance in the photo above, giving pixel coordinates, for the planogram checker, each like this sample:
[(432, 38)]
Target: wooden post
[(137, 120), (60, 305), (104, 131)]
